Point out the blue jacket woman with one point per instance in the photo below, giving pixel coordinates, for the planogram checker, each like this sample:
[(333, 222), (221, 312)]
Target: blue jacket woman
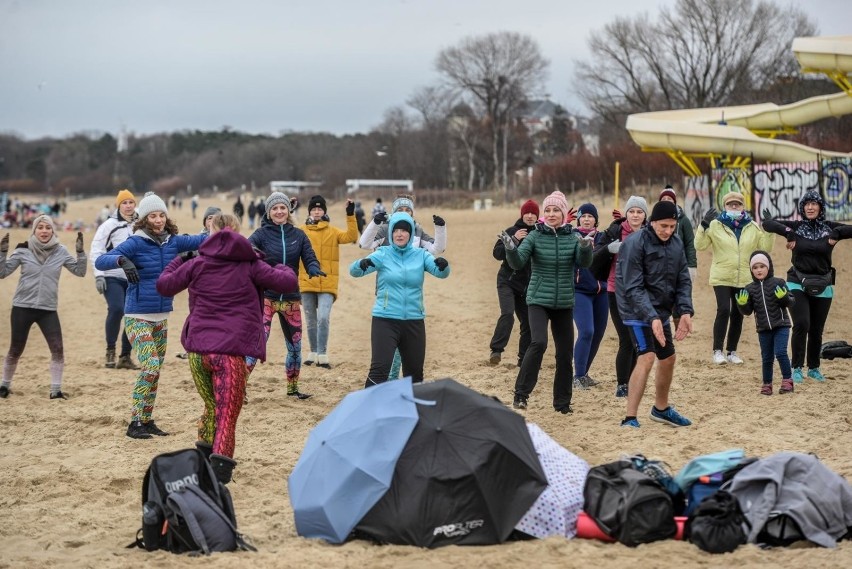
[(399, 311)]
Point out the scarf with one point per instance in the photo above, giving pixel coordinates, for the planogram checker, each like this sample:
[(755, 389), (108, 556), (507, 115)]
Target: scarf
[(159, 239), (736, 225), (42, 250)]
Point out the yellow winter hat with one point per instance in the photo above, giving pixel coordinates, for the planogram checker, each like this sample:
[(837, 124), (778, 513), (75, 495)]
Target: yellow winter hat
[(124, 194)]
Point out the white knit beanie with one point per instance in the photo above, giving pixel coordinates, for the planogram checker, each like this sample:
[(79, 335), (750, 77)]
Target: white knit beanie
[(151, 203)]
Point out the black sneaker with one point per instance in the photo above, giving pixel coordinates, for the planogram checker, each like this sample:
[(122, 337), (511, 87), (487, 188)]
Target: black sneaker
[(520, 402), (495, 358), (152, 429), (565, 409), (298, 395), (58, 395), (4, 391), (136, 430)]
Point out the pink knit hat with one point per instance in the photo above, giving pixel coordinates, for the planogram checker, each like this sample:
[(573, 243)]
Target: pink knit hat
[(557, 199)]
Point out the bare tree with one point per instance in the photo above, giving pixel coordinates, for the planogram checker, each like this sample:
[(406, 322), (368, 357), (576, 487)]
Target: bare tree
[(703, 53), (494, 73)]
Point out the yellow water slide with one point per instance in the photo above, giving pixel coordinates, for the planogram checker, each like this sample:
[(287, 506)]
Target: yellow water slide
[(750, 130)]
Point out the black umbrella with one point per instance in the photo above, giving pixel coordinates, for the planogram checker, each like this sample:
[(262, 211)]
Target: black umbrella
[(467, 475)]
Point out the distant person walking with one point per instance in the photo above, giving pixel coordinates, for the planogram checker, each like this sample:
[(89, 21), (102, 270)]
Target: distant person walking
[(768, 299), (239, 210), (320, 293), (142, 257), (512, 289), (36, 297), (224, 282), (733, 237), (113, 283), (554, 250), (652, 281), (810, 279), (378, 208)]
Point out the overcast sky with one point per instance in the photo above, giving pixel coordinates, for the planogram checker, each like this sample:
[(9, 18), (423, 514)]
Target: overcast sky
[(268, 66)]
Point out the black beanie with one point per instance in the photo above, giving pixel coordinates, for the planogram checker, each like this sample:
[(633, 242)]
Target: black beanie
[(402, 224), (317, 201), (663, 210)]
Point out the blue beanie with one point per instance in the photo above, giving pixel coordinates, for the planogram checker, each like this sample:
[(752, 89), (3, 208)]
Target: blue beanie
[(590, 209)]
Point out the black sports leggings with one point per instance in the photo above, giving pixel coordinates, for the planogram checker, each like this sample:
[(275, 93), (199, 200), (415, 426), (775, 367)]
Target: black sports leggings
[(727, 312), (625, 359), (48, 321), (809, 314)]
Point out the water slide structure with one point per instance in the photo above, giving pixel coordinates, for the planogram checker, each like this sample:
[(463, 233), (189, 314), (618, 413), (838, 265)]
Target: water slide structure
[(740, 134)]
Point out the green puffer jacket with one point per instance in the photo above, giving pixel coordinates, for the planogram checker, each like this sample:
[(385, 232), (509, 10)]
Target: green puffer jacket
[(554, 255)]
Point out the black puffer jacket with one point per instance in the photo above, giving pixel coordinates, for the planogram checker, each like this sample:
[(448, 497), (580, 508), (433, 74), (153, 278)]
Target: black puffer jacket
[(770, 313), (519, 279)]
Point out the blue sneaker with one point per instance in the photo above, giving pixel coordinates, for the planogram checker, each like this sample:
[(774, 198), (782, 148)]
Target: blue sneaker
[(621, 390), (815, 374), (630, 423), (798, 377), (669, 417)]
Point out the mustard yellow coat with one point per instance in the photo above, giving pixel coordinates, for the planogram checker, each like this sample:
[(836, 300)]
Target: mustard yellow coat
[(326, 241)]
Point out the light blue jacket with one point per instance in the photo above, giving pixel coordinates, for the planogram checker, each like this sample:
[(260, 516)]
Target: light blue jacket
[(400, 274)]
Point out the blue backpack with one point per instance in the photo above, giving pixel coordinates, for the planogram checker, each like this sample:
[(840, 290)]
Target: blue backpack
[(705, 475)]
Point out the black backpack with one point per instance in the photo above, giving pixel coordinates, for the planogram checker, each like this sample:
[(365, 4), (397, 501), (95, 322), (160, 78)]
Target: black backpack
[(717, 524), (628, 505), (835, 349), (185, 508)]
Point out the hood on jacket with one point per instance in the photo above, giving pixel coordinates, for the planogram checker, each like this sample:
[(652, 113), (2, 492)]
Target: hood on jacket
[(396, 218), (812, 196), (771, 272), (229, 245)]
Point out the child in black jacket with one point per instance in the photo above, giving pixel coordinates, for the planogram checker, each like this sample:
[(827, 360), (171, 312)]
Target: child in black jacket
[(768, 298)]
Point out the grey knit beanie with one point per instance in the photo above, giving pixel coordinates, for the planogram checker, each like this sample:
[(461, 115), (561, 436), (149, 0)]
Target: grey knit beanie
[(212, 210), (151, 203), (636, 201), (276, 198)]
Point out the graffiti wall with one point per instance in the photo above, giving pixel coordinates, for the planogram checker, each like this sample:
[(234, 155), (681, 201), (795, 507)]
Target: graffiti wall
[(779, 187), (697, 201), (726, 181), (836, 190)]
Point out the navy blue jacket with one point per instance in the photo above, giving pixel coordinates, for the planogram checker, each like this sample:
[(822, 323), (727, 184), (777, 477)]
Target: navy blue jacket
[(286, 244)]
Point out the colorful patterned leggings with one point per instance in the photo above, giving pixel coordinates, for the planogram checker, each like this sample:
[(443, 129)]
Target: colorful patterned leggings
[(290, 317), (149, 342), (221, 381)]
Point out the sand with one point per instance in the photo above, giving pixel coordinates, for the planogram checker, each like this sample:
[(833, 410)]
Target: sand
[(71, 481)]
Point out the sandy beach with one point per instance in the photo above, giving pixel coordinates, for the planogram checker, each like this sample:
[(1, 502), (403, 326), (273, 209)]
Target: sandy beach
[(71, 481)]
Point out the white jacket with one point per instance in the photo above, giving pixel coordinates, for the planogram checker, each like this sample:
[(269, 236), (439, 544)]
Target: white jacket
[(110, 234)]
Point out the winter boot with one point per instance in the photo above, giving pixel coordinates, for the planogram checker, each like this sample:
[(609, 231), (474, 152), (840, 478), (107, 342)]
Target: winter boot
[(124, 362), (223, 467), (136, 430), (205, 448), (110, 358)]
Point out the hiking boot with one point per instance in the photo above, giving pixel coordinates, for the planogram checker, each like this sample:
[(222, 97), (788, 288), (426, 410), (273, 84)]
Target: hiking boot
[(798, 376), (719, 357), (110, 358), (634, 423), (766, 389), (153, 429), (815, 374), (125, 362), (580, 383), (495, 358), (298, 395), (621, 390), (4, 391), (322, 361), (565, 409), (309, 361), (136, 430), (58, 395), (223, 467), (733, 358), (520, 402), (669, 417), (590, 382), (786, 386)]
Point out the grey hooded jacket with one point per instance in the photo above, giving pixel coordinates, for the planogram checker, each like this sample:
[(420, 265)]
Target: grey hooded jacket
[(39, 284), (799, 486)]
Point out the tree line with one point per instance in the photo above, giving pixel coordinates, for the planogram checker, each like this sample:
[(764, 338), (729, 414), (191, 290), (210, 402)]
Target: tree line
[(467, 131)]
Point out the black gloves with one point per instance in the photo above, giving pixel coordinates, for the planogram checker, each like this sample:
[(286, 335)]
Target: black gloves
[(315, 272), (380, 218), (4, 244), (438, 220), (441, 263), (130, 270), (765, 215), (79, 244), (187, 255), (350, 207), (708, 217), (365, 263)]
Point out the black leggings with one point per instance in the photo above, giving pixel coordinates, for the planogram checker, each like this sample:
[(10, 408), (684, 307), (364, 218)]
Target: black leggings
[(48, 322), (562, 329), (809, 314), (625, 359), (727, 313), (388, 335)]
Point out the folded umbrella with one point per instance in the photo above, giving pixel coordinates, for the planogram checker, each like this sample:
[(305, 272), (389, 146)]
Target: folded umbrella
[(348, 460)]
